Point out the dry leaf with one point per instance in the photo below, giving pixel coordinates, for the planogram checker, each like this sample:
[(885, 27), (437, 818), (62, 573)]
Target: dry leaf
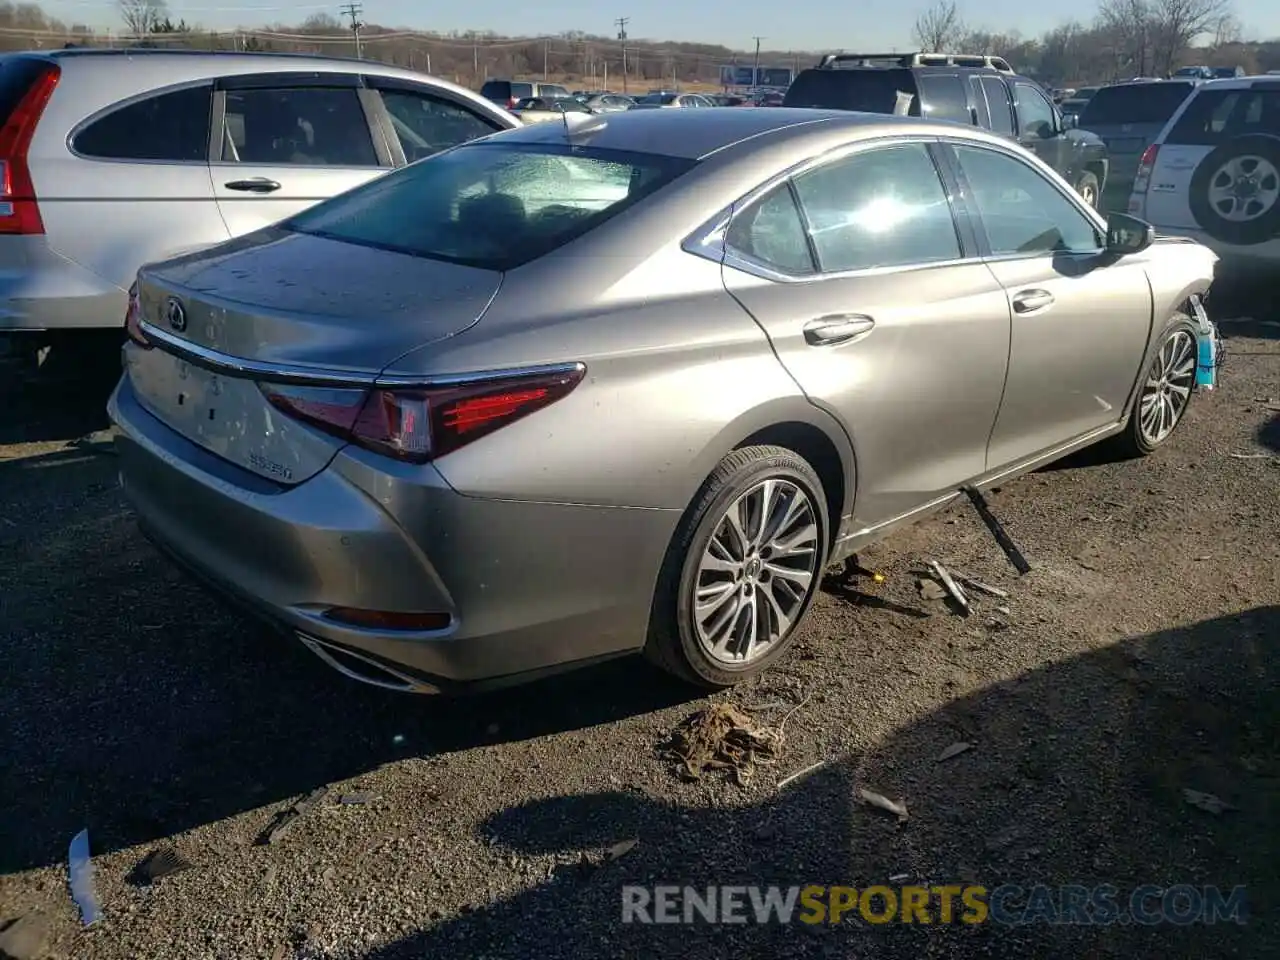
[(1206, 801), (621, 849), (897, 808), (954, 751)]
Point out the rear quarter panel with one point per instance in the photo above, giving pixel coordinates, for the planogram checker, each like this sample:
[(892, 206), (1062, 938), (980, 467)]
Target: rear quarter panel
[(677, 376)]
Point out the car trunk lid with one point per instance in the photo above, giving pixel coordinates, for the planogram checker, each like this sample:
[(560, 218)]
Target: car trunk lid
[(281, 307)]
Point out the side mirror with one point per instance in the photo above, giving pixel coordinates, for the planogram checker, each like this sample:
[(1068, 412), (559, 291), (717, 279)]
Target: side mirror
[(1070, 121), (1126, 234)]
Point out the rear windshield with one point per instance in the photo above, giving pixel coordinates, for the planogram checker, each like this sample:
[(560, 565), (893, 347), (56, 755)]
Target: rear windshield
[(1214, 116), (871, 91), (17, 74), (1135, 103), (493, 206)]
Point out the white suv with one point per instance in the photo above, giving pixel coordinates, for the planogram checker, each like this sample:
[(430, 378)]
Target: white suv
[(1213, 173)]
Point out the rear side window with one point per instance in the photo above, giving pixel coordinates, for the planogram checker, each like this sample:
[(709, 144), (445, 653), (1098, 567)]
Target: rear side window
[(170, 127), (491, 205), (521, 90), (496, 90), (871, 91), (1214, 116), (999, 105), (553, 90), (878, 208), (943, 98), (772, 232), (1134, 103), (304, 126)]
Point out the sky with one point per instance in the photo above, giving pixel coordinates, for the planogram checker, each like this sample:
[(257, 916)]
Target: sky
[(796, 24)]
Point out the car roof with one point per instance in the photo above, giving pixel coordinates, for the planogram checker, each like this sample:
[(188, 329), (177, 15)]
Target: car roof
[(696, 134)]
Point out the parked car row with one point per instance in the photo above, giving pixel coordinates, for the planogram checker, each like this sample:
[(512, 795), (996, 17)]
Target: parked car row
[(446, 422)]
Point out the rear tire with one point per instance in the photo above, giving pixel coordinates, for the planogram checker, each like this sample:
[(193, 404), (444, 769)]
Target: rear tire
[(1159, 392), (717, 591)]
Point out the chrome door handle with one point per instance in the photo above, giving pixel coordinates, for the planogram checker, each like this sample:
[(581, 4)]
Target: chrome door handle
[(1028, 301), (254, 185), (836, 328)]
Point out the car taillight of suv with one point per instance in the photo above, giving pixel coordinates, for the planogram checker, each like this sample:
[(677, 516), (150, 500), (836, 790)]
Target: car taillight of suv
[(18, 210)]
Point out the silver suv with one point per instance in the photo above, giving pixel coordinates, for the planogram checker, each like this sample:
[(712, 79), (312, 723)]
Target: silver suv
[(110, 159)]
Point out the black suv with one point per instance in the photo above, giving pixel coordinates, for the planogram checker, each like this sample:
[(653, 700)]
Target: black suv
[(976, 90)]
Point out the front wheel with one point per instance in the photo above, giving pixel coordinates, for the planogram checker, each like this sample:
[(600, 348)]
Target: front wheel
[(1165, 391), (742, 569), (1089, 189)]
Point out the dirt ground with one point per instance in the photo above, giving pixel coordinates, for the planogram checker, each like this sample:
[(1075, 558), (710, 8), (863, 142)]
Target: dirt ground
[(1136, 660)]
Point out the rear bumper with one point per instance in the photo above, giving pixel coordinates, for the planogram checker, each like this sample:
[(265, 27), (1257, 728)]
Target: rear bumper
[(41, 291), (531, 587)]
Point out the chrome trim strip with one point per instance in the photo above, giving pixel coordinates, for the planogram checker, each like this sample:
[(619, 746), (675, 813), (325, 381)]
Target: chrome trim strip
[(301, 375)]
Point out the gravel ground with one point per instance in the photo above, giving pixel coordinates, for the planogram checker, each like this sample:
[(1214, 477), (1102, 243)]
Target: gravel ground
[(1136, 660)]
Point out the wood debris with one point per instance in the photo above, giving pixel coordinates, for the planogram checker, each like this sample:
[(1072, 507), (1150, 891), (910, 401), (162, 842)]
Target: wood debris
[(721, 737)]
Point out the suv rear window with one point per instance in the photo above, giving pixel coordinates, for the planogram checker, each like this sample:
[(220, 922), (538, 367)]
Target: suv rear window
[(172, 126), (869, 90), (17, 74), (1214, 116), (488, 205), (1135, 103)]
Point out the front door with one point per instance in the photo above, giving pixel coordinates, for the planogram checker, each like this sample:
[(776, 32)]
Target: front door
[(1038, 126), (285, 148), (1080, 322), (857, 274)]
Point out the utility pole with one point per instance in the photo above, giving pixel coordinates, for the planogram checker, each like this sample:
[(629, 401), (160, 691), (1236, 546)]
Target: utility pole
[(622, 38), (755, 74), (544, 60), (353, 10)]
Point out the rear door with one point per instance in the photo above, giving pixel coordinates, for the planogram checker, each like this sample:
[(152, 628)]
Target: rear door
[(136, 188), (1079, 326), (287, 141), (874, 304), (1211, 118)]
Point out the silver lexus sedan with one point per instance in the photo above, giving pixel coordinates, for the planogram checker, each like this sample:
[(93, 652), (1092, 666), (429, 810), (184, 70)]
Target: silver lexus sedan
[(578, 390)]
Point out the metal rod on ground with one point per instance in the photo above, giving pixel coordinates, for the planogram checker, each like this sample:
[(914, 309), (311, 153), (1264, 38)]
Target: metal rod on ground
[(1006, 542)]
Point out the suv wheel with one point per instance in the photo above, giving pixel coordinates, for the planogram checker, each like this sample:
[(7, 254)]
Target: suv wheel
[(1087, 187), (1235, 192)]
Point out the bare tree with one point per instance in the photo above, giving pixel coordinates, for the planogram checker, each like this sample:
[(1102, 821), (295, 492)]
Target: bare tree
[(939, 29), (1226, 30), (141, 17), (1129, 27), (1179, 22)]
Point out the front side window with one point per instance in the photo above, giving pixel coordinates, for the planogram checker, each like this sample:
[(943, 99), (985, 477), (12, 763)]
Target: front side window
[(425, 124), (883, 207), (491, 205), (771, 231), (1036, 119), (1022, 212), (172, 127), (304, 126)]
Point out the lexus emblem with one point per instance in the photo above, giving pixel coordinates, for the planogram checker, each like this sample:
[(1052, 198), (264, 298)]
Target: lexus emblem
[(176, 314)]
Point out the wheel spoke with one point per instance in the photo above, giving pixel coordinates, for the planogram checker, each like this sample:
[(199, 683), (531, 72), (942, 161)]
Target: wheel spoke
[(1180, 390), (757, 572)]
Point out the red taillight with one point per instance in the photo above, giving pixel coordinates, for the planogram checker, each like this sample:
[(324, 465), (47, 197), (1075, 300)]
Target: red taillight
[(18, 210), (421, 424), (511, 103), (1146, 166), (133, 319)]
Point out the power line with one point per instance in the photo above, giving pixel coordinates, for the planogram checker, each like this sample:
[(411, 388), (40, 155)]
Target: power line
[(622, 38), (353, 10)]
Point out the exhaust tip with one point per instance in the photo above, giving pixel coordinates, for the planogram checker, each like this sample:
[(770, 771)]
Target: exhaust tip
[(357, 666)]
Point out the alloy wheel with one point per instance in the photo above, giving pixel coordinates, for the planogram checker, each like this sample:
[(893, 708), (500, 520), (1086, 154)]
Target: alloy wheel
[(1244, 188), (756, 572), (1168, 388)]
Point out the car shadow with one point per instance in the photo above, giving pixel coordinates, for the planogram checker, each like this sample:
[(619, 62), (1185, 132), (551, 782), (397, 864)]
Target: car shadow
[(34, 413), (128, 651), (1076, 776)]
